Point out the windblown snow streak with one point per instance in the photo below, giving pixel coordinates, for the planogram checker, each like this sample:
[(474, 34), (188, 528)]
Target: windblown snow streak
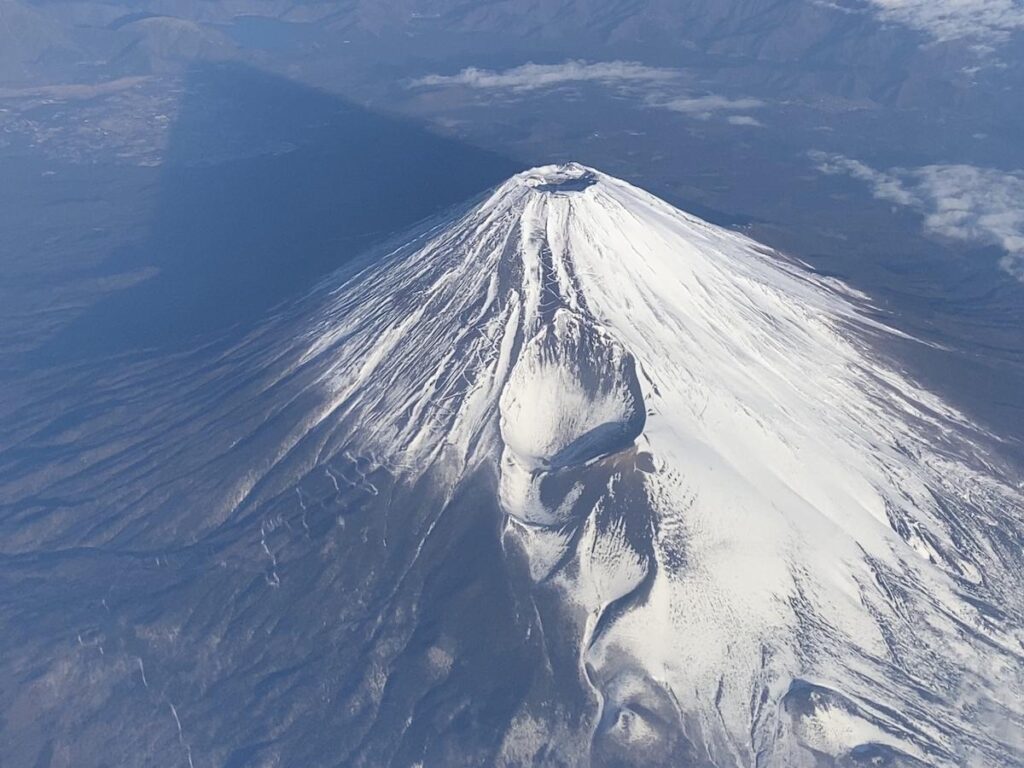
[(749, 539)]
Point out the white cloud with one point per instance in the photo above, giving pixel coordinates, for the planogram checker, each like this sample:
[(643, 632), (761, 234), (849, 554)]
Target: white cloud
[(745, 120), (883, 185), (531, 76), (705, 106), (978, 204), (960, 202), (982, 20), (657, 87)]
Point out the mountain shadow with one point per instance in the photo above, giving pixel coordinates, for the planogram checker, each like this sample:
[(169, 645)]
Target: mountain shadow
[(266, 187)]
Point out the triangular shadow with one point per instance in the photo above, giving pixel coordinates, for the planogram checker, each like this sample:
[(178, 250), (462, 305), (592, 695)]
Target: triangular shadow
[(266, 187)]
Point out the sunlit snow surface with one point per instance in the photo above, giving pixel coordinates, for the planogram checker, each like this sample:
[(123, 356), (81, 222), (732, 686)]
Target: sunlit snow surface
[(766, 546), (758, 521)]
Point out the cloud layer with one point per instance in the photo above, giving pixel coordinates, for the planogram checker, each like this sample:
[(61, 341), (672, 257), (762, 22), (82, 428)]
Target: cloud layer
[(705, 106), (529, 77), (960, 202), (655, 86), (983, 20)]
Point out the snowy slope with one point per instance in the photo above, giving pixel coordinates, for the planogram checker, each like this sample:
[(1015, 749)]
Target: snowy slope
[(725, 531), (751, 516)]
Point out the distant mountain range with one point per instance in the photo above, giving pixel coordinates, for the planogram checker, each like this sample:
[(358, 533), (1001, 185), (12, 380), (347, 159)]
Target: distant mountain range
[(852, 48)]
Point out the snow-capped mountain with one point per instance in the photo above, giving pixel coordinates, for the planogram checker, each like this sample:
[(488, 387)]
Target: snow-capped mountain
[(775, 547), (732, 533)]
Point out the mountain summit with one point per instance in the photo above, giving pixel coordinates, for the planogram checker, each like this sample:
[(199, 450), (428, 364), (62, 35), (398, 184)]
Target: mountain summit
[(571, 477)]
